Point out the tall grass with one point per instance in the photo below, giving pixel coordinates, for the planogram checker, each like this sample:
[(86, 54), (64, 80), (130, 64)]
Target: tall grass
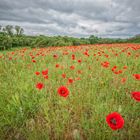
[(27, 113)]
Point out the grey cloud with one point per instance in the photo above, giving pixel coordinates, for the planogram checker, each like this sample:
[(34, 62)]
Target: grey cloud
[(80, 18)]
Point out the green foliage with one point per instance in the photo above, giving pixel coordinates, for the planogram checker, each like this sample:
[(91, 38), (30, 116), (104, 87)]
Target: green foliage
[(135, 39), (12, 36), (8, 30), (5, 42), (27, 113)]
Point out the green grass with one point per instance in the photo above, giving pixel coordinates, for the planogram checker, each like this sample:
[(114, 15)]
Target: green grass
[(27, 113)]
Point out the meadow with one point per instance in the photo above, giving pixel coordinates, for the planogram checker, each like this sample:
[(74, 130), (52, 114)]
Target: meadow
[(70, 93)]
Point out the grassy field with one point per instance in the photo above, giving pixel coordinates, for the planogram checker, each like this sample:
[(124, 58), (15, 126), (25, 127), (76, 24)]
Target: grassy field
[(99, 80)]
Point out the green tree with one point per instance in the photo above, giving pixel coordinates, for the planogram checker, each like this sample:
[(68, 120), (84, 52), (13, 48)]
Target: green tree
[(93, 39), (19, 30), (8, 29), (0, 28)]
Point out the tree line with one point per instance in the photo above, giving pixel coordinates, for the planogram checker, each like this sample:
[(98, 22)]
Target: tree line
[(13, 36)]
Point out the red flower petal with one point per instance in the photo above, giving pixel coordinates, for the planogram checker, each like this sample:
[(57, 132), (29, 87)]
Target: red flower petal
[(37, 73), (136, 95), (63, 91), (115, 121), (45, 72), (137, 76), (39, 86)]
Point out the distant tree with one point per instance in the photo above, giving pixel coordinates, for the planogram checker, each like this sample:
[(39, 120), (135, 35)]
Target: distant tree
[(8, 29), (93, 39), (5, 42), (0, 28), (19, 30)]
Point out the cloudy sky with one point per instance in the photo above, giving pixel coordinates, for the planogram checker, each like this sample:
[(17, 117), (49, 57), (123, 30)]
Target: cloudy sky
[(79, 18)]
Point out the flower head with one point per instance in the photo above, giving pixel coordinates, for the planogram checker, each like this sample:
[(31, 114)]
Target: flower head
[(63, 75), (137, 76), (72, 67), (57, 65), (37, 73), (45, 72), (39, 86), (115, 121), (70, 80), (136, 95), (63, 91)]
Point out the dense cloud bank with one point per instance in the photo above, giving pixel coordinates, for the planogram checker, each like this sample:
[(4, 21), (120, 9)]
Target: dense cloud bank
[(80, 18)]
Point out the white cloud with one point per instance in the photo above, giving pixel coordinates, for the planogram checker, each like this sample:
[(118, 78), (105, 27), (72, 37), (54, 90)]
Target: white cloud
[(106, 18)]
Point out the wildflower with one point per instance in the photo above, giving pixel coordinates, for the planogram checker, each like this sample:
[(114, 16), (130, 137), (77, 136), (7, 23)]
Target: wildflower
[(46, 76), (45, 72), (64, 75), (39, 86), (55, 56), (79, 61), (72, 67), (123, 80), (136, 95), (125, 67), (37, 73), (63, 91), (115, 121), (57, 65), (105, 64), (137, 76), (70, 80), (73, 57), (33, 61)]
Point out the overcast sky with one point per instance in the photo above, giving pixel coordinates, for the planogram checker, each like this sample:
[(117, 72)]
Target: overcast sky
[(79, 18)]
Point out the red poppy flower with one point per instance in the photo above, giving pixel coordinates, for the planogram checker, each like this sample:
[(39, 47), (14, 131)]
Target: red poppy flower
[(63, 91), (33, 61), (37, 73), (57, 65), (106, 55), (123, 80), (39, 86), (72, 67), (33, 57), (64, 75), (55, 56), (73, 57), (120, 71), (105, 64), (136, 95), (86, 53), (45, 72), (115, 121), (115, 67), (79, 61), (116, 72), (137, 76), (128, 53), (70, 80), (46, 76), (125, 67)]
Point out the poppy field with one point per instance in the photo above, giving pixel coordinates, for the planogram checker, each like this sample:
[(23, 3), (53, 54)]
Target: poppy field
[(70, 93)]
